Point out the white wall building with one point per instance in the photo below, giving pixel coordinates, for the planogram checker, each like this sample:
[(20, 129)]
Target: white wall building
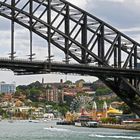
[(7, 88)]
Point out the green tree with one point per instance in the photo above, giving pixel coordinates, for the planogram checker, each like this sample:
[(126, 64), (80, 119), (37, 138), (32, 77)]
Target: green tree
[(34, 94), (102, 91), (68, 82), (125, 108)]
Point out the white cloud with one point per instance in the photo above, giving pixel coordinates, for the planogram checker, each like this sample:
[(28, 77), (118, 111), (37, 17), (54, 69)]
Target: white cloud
[(80, 3), (7, 76), (132, 5), (113, 1), (133, 29)]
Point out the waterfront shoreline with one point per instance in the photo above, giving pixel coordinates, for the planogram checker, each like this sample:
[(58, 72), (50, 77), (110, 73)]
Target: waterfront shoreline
[(44, 131), (124, 126), (112, 126)]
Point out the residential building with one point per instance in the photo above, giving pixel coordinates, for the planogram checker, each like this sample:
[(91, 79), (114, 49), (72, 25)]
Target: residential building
[(54, 95), (7, 88)]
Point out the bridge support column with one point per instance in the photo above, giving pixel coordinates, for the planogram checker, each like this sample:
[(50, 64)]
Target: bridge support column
[(126, 92)]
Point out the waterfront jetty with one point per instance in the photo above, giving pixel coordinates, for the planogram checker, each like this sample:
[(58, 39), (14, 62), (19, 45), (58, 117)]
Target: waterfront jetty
[(123, 126)]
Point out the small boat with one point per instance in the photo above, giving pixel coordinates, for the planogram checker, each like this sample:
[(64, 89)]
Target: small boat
[(34, 121), (10, 121), (78, 124), (92, 124)]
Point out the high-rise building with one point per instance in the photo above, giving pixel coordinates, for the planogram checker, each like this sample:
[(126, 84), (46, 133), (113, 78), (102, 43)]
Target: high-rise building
[(54, 95), (7, 88)]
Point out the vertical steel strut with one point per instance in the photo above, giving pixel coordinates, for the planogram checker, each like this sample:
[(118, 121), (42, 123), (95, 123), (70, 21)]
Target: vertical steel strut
[(67, 28), (31, 38), (49, 32), (12, 29), (84, 39)]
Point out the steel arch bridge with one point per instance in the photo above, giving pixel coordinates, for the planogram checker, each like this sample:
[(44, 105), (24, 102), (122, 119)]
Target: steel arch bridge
[(94, 47)]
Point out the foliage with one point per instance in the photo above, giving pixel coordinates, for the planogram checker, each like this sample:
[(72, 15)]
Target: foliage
[(125, 108), (36, 84), (1, 111), (34, 90), (5, 115), (62, 108), (110, 120), (102, 91), (34, 94), (68, 99), (68, 82)]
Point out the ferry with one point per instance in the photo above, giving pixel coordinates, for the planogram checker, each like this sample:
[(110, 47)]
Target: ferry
[(87, 124), (78, 124), (92, 124), (86, 121)]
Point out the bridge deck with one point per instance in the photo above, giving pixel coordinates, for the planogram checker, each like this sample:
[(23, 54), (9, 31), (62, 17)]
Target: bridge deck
[(22, 67)]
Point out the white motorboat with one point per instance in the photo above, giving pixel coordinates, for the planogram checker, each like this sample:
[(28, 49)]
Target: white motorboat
[(92, 124), (78, 124)]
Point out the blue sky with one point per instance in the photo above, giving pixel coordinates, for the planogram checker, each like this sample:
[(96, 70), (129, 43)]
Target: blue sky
[(122, 14)]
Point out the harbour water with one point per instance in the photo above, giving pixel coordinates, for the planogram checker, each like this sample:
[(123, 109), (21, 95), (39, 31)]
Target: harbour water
[(24, 130)]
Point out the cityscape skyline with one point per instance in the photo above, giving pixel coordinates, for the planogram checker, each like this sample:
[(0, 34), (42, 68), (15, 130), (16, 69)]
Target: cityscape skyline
[(104, 9)]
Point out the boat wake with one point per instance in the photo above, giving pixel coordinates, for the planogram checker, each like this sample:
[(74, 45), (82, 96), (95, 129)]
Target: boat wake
[(57, 129), (115, 137)]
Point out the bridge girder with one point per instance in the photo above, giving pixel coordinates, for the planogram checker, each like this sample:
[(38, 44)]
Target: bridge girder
[(83, 38)]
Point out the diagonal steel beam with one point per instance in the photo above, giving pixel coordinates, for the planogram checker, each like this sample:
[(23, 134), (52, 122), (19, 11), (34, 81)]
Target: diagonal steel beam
[(129, 56)]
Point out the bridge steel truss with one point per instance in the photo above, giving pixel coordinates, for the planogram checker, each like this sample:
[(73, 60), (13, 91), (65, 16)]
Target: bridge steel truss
[(98, 48)]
